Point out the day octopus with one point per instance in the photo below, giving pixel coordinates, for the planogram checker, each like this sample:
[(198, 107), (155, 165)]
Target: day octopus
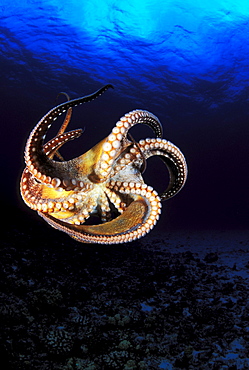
[(105, 181)]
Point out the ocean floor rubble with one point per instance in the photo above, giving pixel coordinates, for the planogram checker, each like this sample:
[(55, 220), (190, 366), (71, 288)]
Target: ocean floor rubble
[(177, 301)]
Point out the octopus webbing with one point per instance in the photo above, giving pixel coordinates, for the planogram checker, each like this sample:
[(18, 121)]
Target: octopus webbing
[(106, 181)]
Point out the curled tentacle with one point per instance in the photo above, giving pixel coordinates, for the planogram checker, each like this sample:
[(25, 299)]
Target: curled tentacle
[(117, 141), (36, 160), (63, 126), (173, 159), (135, 156), (40, 197), (33, 191), (137, 220), (68, 115), (52, 146)]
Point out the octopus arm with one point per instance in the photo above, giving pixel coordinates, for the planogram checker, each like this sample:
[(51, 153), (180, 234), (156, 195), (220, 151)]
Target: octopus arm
[(68, 116), (173, 159), (53, 145), (36, 160), (43, 198), (137, 220), (117, 141)]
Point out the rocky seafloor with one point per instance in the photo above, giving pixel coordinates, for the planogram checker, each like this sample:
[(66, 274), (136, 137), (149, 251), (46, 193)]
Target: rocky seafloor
[(149, 304)]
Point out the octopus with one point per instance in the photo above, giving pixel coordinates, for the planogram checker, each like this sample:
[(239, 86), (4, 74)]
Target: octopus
[(106, 181)]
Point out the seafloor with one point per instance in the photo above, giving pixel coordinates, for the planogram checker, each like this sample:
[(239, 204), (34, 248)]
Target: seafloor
[(172, 301)]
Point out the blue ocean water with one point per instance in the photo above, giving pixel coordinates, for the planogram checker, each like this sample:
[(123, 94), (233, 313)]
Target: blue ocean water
[(187, 62), (145, 45), (179, 292)]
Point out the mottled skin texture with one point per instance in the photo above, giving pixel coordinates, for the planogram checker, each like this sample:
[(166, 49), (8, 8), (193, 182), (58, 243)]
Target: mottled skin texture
[(105, 181)]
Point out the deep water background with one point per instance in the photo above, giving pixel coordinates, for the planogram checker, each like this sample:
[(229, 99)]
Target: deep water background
[(186, 62), (177, 298)]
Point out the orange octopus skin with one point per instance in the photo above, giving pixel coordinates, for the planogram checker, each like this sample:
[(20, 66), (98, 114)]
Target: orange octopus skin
[(105, 181)]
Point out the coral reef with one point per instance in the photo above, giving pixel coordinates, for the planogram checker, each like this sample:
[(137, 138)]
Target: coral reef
[(139, 307), (58, 342)]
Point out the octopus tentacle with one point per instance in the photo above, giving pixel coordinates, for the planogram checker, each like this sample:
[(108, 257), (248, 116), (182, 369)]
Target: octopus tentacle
[(132, 158), (41, 198), (81, 213), (144, 163), (31, 189), (37, 162), (115, 199), (104, 207), (174, 160), (63, 93), (63, 126), (52, 146), (171, 155), (117, 140), (68, 115), (137, 220)]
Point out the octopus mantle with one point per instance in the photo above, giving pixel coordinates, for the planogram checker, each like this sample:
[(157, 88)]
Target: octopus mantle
[(105, 181)]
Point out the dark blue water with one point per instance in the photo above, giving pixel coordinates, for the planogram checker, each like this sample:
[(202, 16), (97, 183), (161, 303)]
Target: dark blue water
[(186, 62)]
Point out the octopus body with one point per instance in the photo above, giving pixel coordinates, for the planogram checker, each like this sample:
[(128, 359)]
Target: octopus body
[(105, 181)]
